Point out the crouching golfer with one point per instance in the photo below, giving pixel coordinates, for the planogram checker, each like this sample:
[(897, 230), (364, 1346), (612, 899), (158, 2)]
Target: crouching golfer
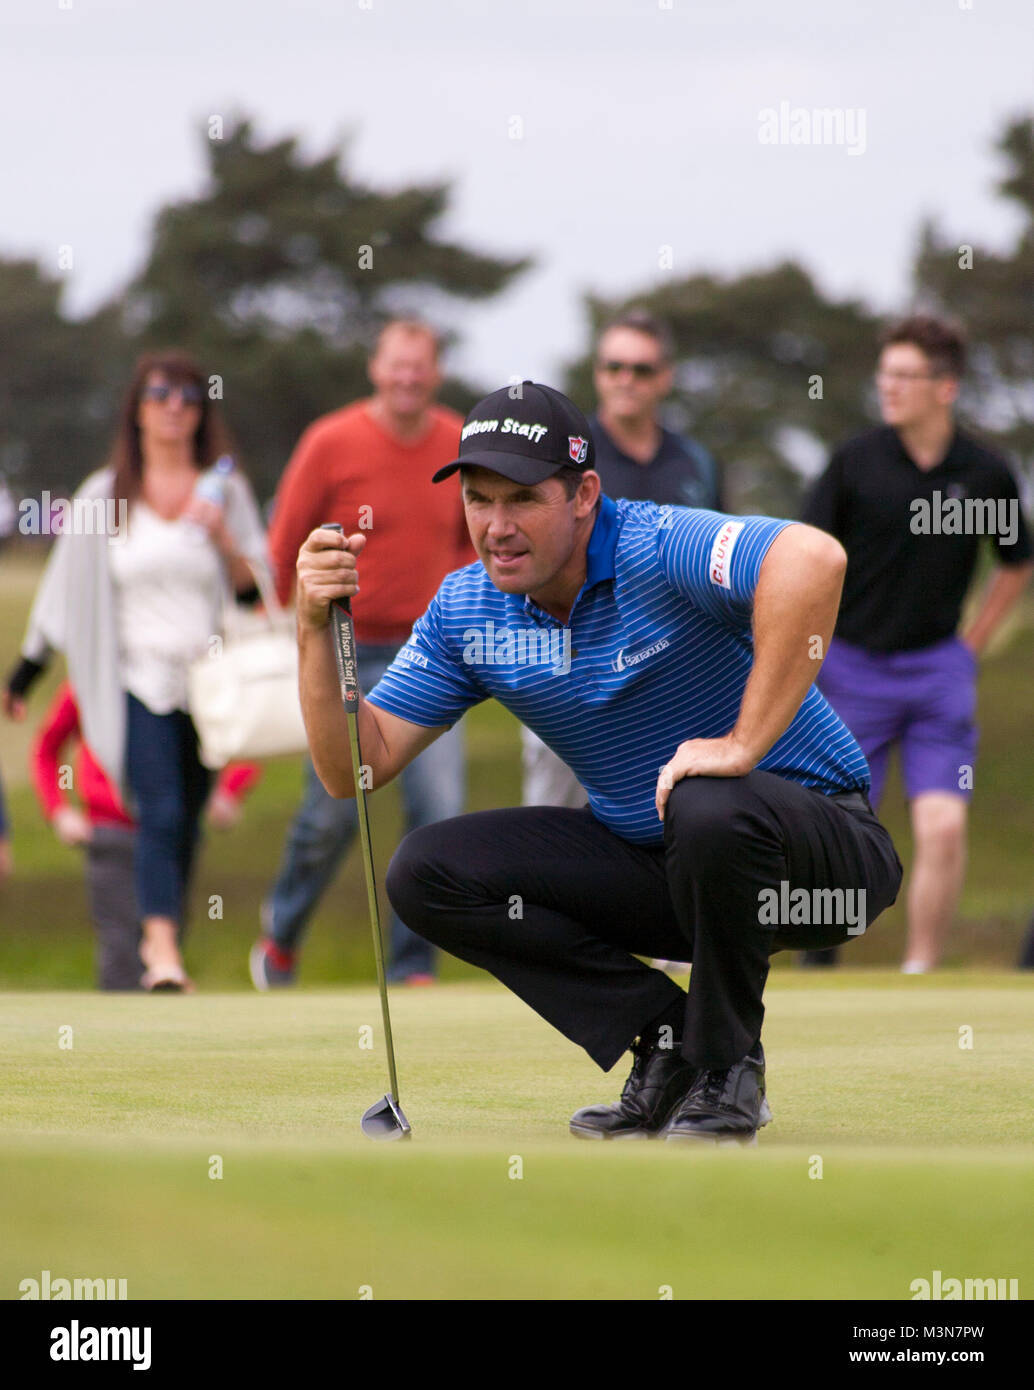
[(667, 655)]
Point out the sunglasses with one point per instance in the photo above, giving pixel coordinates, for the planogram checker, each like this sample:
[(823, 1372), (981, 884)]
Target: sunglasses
[(189, 394), (642, 371)]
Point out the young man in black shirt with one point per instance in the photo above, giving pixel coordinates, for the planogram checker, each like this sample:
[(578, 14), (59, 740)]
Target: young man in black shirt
[(912, 503)]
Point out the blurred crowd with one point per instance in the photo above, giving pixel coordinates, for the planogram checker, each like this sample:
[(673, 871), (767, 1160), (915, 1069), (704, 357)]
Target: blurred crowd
[(131, 618)]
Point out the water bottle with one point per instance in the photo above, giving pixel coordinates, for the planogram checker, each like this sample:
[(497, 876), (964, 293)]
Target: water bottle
[(211, 487)]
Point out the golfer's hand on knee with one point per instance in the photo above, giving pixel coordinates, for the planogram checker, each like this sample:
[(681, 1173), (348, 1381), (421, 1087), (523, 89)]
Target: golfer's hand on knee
[(326, 570), (701, 757)]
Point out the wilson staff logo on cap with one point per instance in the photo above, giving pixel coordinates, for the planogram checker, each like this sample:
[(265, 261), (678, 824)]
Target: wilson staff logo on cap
[(525, 434)]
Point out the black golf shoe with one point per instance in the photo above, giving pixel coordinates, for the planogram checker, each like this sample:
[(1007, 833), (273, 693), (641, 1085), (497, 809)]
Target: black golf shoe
[(726, 1106), (660, 1078)]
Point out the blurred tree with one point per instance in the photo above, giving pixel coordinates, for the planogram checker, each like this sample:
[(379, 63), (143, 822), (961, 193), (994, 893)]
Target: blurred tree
[(278, 276), (770, 375), (993, 295), (55, 382)]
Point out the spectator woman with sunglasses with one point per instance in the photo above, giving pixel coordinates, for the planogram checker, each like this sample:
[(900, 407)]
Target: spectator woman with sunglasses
[(132, 610)]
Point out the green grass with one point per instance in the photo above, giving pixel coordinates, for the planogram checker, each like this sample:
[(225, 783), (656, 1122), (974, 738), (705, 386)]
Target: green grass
[(106, 1149)]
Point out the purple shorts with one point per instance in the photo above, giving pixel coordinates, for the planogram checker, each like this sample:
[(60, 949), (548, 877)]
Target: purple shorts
[(924, 700)]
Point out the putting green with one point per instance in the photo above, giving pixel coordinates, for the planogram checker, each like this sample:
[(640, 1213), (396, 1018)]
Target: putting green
[(114, 1133)]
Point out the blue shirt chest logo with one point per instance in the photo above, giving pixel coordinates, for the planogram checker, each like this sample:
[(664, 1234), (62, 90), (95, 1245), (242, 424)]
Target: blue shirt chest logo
[(628, 657)]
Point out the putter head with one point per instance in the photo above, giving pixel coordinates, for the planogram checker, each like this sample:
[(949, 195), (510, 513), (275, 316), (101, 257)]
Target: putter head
[(385, 1120)]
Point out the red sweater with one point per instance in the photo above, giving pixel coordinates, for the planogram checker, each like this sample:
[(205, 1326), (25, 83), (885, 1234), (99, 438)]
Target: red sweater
[(348, 468), (100, 800)]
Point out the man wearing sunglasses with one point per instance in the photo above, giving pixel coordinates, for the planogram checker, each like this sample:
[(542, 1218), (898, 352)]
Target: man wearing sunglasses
[(637, 458)]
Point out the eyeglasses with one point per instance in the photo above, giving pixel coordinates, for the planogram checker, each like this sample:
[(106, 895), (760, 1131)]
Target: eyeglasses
[(893, 378), (642, 371), (188, 393)]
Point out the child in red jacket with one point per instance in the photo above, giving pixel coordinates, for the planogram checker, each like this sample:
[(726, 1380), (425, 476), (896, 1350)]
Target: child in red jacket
[(106, 833)]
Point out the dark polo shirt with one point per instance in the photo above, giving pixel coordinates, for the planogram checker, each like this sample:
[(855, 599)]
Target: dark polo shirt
[(681, 473), (912, 541)]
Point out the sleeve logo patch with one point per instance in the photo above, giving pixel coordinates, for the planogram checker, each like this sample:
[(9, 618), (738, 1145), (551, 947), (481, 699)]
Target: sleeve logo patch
[(413, 656), (719, 568)]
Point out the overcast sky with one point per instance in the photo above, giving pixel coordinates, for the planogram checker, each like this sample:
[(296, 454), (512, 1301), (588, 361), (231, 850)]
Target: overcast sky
[(639, 120)]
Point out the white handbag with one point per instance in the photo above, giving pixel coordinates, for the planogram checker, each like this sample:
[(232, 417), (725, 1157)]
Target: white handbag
[(243, 695)]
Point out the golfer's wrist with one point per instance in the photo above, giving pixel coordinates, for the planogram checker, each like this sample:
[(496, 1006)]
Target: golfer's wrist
[(313, 624), (747, 752)]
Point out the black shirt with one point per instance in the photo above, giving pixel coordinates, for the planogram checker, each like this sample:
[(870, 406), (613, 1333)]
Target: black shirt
[(681, 473), (912, 544)]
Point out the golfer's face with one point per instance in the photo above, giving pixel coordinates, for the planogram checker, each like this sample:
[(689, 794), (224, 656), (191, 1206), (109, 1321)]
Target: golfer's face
[(523, 535)]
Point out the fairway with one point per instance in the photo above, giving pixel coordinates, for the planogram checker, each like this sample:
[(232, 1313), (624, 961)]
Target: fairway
[(110, 1142)]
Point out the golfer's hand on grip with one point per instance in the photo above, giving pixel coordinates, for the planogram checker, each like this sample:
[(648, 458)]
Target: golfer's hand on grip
[(326, 570)]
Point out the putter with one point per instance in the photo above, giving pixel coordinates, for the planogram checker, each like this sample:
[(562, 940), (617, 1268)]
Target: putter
[(384, 1120)]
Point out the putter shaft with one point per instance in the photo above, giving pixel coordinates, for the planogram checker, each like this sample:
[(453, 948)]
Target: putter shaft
[(348, 675), (371, 886)]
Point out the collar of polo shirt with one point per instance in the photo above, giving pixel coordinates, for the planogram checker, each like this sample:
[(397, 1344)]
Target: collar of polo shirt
[(599, 553)]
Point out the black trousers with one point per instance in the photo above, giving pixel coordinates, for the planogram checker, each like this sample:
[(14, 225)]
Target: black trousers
[(111, 889), (557, 907)]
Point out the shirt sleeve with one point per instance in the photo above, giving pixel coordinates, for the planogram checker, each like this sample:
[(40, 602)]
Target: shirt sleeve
[(1013, 545), (237, 779), (427, 684), (297, 509), (714, 560), (823, 505), (72, 557), (60, 725)]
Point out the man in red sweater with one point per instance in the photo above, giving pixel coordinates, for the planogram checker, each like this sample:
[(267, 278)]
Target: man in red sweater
[(369, 466)]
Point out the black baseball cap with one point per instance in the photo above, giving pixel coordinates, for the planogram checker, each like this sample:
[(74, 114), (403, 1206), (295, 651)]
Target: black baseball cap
[(526, 433)]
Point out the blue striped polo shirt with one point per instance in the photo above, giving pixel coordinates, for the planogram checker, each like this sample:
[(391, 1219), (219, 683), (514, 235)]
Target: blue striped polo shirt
[(656, 650)]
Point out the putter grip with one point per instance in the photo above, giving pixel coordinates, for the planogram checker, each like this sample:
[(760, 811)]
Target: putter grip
[(344, 642)]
